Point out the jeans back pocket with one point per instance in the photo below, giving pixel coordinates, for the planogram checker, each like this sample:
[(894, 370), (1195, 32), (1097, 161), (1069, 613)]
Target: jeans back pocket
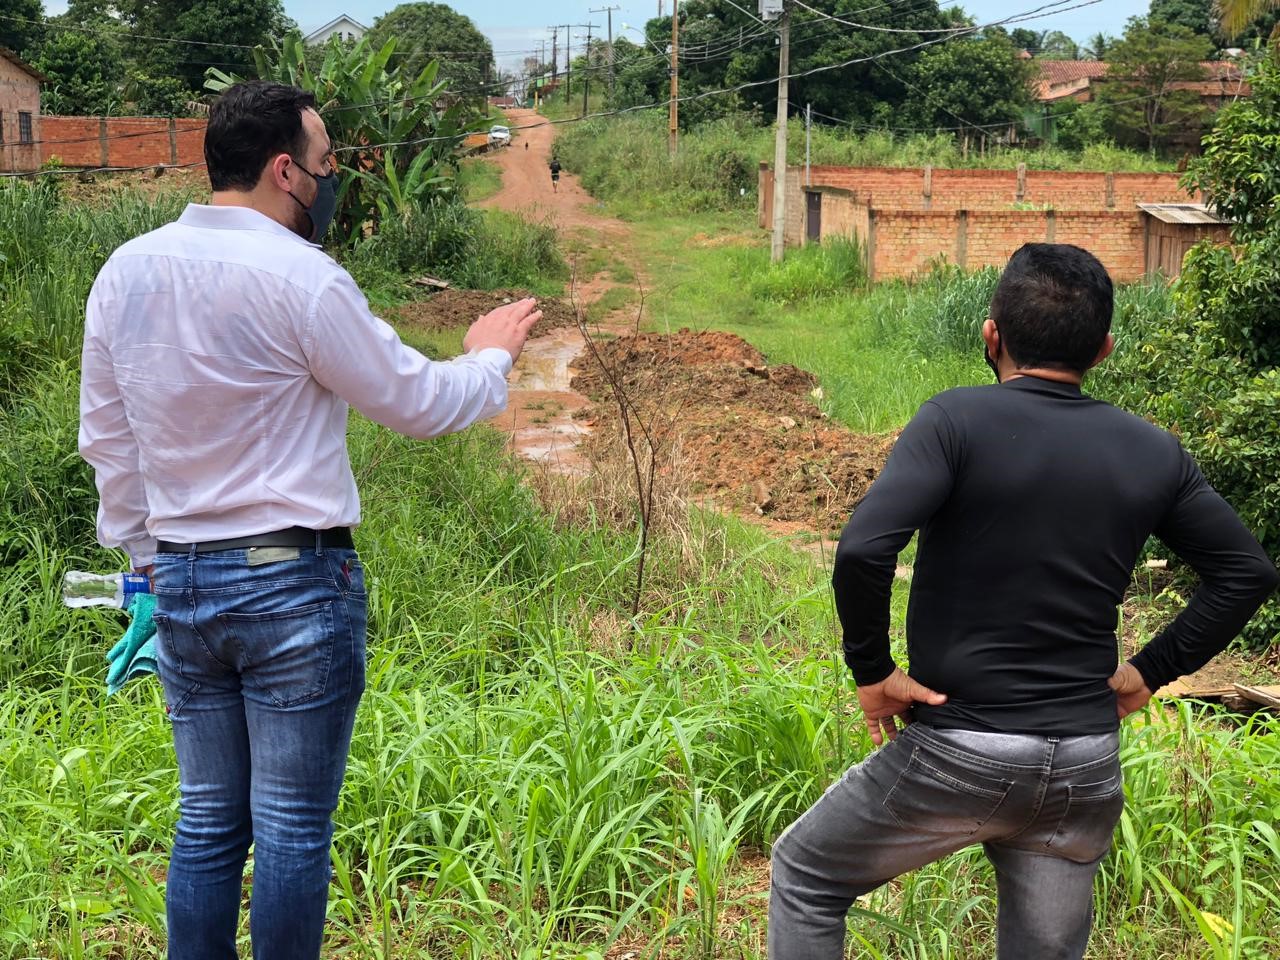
[(943, 797), (1089, 820), (287, 654)]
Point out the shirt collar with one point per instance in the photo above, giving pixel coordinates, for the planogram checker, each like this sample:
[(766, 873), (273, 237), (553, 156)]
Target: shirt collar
[(209, 217), (1029, 382)]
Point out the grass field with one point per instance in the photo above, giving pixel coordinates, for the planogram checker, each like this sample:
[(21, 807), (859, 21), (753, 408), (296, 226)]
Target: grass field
[(535, 773)]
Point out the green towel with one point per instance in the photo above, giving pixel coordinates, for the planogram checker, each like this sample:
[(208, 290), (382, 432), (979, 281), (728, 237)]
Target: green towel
[(135, 654)]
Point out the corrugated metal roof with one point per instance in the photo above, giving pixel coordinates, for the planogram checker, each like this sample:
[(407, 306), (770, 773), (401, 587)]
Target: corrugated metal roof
[(1181, 212)]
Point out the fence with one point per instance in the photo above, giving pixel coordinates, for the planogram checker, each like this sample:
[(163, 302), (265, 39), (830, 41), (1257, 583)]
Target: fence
[(121, 141)]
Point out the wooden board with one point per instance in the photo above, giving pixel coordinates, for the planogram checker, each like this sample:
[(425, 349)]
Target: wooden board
[(1264, 696)]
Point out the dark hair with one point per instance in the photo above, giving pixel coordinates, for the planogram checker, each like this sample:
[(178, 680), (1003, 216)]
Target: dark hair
[(248, 125), (1053, 307)]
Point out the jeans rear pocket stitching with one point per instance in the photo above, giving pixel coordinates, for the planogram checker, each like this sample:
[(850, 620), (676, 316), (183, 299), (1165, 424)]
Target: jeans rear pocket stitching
[(323, 608), (959, 784), (1075, 802), (997, 797), (164, 631)]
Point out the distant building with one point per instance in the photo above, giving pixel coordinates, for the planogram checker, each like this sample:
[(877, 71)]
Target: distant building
[(19, 114), (343, 27), (1059, 80)]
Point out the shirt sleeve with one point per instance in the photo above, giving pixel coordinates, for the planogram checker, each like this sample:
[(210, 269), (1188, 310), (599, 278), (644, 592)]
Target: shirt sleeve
[(915, 482), (107, 443), (1236, 577), (363, 361)]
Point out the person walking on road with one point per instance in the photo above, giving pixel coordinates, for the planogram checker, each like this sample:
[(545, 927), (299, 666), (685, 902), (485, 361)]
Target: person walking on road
[(221, 353), (555, 175), (1033, 502)]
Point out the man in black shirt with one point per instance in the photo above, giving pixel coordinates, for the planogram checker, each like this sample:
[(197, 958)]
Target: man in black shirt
[(1033, 502)]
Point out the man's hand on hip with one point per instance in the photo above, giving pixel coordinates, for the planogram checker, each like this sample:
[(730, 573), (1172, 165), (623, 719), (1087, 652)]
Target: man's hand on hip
[(1131, 690), (889, 701), (506, 328)]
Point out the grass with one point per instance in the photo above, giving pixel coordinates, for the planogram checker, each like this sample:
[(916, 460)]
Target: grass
[(625, 161), (534, 774), (478, 179)]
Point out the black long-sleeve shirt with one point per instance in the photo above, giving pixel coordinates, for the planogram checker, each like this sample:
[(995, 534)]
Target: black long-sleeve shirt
[(1033, 502)]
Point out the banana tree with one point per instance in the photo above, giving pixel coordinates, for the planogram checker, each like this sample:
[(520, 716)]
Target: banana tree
[(394, 135)]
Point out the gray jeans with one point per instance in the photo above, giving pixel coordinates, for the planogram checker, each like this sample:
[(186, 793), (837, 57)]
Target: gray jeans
[(1044, 809)]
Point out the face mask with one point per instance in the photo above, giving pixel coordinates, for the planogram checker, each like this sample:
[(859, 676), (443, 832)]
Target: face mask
[(325, 204)]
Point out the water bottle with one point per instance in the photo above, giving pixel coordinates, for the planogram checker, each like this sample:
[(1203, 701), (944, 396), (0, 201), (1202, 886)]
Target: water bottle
[(102, 589)]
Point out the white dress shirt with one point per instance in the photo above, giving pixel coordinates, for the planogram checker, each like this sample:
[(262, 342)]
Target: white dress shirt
[(220, 354)]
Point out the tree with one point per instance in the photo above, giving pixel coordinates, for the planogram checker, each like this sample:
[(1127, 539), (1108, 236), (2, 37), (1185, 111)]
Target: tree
[(1056, 45), (23, 29), (969, 81), (1098, 46), (1237, 15), (1026, 39), (84, 72), (433, 31), (238, 23), (1145, 86), (1195, 15)]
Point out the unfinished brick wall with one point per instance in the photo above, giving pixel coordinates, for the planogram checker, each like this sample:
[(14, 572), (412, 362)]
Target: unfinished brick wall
[(122, 141), (904, 243), (929, 188)]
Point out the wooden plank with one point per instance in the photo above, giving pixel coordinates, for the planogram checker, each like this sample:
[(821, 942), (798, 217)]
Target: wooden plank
[(1180, 688), (1266, 696)]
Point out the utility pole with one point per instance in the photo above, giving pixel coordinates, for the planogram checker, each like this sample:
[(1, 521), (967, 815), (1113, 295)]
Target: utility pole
[(673, 132), (568, 62), (780, 139), (609, 11), (555, 54), (586, 74)]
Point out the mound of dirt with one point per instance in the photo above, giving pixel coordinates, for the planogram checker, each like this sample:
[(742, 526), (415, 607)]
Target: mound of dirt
[(460, 308), (750, 434)]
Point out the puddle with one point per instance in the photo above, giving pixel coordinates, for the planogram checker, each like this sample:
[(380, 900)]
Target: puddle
[(541, 408)]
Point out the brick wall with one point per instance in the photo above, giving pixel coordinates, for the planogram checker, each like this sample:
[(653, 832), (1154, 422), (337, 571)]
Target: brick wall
[(903, 243), (928, 188), (19, 93), (122, 141)]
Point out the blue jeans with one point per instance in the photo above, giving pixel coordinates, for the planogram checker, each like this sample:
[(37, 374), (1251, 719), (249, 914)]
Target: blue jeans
[(262, 666), (1044, 809)]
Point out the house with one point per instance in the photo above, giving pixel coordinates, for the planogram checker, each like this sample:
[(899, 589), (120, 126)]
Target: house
[(343, 27), (19, 114), (1060, 80)]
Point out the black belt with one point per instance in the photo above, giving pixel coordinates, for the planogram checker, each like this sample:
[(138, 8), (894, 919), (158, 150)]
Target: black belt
[(337, 538)]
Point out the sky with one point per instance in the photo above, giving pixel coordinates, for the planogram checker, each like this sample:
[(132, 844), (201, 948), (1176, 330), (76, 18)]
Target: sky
[(516, 27)]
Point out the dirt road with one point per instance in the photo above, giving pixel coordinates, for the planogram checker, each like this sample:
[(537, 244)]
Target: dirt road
[(543, 416), (526, 180)]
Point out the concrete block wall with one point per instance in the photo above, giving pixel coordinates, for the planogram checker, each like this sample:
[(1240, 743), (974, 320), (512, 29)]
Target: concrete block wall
[(122, 141)]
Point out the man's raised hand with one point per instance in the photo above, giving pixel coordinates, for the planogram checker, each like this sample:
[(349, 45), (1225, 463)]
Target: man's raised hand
[(506, 328), (889, 701)]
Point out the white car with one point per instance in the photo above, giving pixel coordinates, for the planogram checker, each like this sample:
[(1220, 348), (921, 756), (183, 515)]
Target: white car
[(499, 136)]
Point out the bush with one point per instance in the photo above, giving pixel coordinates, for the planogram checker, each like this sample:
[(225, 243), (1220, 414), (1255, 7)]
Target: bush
[(835, 267), (469, 248)]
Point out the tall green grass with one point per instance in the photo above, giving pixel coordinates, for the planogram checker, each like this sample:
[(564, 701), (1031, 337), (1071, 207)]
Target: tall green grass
[(624, 159), (533, 776), (535, 773)]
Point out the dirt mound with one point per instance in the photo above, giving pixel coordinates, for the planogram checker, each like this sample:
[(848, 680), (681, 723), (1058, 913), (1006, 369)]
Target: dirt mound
[(460, 308), (751, 435)]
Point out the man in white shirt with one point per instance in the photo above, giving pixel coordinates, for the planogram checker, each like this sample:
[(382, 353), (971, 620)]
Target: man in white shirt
[(221, 353)]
